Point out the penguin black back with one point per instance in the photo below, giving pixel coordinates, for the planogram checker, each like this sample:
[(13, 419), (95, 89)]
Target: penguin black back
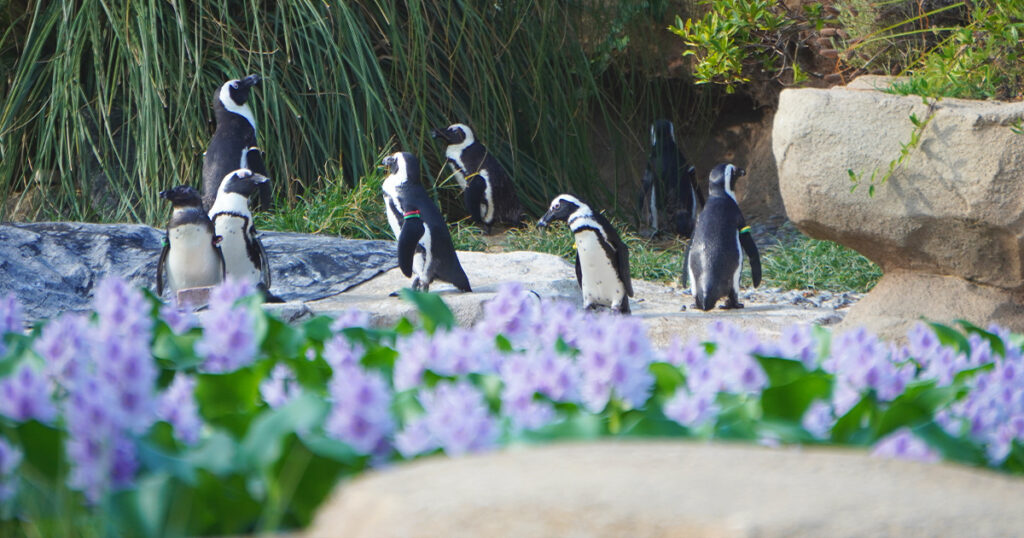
[(671, 199), (715, 255), (233, 145)]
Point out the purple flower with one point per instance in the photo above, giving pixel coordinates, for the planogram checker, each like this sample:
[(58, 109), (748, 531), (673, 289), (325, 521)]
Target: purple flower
[(461, 351), (11, 318), (127, 368), (797, 342), (122, 309), (922, 341), (903, 444), (280, 388), (100, 456), (614, 357), (225, 295), (688, 355), (177, 318), (177, 407), (861, 362), (361, 410), (351, 318), (26, 396), (818, 419), (523, 376), (229, 341), (10, 459), (456, 419), (513, 313), (414, 352), (691, 410), (64, 345), (339, 352)]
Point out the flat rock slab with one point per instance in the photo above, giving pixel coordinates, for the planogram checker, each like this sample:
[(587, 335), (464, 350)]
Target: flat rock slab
[(53, 266), (767, 311), (673, 488)]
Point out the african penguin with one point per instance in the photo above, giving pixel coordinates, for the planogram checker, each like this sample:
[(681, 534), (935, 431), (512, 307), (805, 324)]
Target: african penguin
[(244, 255), (602, 260), (489, 194), (233, 145), (191, 255), (670, 194), (425, 249), (714, 258)]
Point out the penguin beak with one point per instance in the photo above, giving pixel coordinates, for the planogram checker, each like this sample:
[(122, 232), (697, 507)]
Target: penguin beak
[(387, 163), (165, 194), (249, 81), (437, 133), (259, 178), (542, 224)]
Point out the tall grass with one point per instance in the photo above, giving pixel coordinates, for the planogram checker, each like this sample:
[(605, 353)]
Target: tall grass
[(107, 103)]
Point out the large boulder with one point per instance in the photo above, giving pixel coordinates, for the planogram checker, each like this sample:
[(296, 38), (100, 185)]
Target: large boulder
[(53, 266), (672, 488), (953, 208)]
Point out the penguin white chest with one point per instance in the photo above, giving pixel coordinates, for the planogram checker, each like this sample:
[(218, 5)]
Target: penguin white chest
[(454, 155), (192, 260), (600, 279), (234, 246)]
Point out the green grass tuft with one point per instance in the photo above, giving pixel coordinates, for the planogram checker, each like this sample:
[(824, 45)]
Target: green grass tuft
[(821, 265)]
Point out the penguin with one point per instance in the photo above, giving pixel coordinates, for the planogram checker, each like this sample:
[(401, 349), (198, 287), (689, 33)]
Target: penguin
[(244, 255), (714, 258), (602, 259), (425, 249), (191, 256), (488, 191), (233, 145), (670, 194)]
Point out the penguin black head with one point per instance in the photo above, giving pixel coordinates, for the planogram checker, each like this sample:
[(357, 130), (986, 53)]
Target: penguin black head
[(562, 207), (235, 93), (402, 167), (723, 180), (455, 134), (242, 181), (662, 131), (182, 196)]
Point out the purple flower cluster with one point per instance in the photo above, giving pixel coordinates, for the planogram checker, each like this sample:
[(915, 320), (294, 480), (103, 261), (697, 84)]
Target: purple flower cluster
[(10, 459), (280, 388), (229, 340), (178, 408), (179, 319), (11, 319), (456, 419), (861, 362), (731, 368), (614, 357), (361, 409), (26, 396), (453, 352), (536, 372), (903, 444)]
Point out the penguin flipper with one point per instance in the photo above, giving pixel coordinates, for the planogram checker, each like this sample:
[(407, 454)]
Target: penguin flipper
[(472, 196), (622, 259), (455, 275), (254, 161), (755, 258), (408, 239), (579, 271), (160, 267), (264, 263)]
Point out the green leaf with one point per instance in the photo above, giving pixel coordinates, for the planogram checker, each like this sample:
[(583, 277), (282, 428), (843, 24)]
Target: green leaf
[(282, 340), (318, 329), (790, 401), (263, 443), (951, 448), (179, 350), (584, 426), (216, 453), (851, 427), (433, 311), (781, 371), (950, 337), (230, 400), (994, 341), (667, 379), (917, 405)]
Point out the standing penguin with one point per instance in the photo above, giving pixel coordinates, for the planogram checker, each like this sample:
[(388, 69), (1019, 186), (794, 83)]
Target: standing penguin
[(489, 194), (602, 260), (191, 257), (233, 145), (670, 194), (714, 259), (425, 249), (244, 255)]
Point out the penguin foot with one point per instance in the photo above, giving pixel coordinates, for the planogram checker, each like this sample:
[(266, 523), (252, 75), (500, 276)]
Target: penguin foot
[(730, 306)]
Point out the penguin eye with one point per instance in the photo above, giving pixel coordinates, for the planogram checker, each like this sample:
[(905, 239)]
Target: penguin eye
[(234, 84)]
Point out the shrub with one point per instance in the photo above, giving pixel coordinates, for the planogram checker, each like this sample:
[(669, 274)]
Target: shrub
[(141, 419)]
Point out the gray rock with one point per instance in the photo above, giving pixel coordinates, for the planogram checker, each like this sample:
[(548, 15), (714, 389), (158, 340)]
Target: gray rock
[(53, 266), (673, 488), (954, 207)]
